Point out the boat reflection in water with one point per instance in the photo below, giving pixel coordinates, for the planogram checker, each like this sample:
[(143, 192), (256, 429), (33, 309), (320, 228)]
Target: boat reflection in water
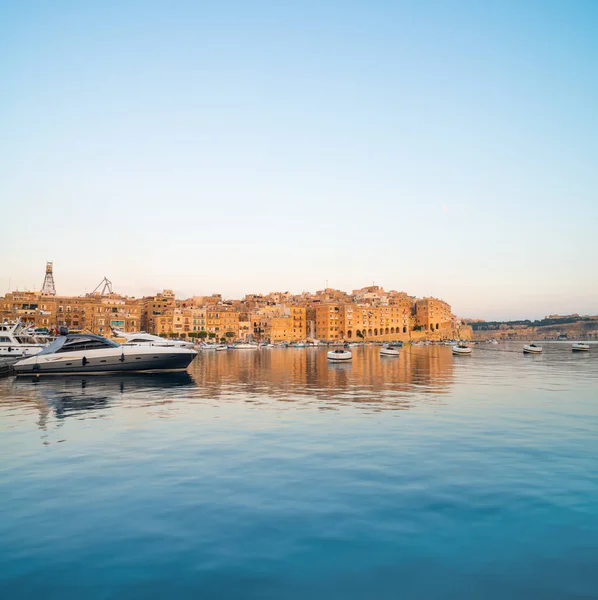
[(269, 380), (85, 396), (308, 376)]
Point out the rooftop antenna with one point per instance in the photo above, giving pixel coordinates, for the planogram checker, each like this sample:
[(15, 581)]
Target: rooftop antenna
[(105, 284), (49, 287)]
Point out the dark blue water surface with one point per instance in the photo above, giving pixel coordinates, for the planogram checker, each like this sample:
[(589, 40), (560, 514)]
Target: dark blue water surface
[(273, 474)]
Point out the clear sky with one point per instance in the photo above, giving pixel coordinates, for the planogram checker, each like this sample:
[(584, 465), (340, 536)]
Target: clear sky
[(440, 148)]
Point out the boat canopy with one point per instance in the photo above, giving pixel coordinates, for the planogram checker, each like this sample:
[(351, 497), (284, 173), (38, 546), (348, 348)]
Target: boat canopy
[(76, 341)]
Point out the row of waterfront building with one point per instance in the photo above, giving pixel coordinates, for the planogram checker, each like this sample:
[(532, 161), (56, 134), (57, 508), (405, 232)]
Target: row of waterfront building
[(367, 314)]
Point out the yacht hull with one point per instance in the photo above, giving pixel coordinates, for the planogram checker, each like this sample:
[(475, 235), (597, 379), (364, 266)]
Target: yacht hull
[(100, 362), (19, 350), (580, 348), (461, 351), (339, 356), (389, 352), (532, 350)]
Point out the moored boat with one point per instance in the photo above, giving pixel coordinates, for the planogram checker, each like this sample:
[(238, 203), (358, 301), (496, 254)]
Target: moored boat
[(532, 349), (339, 355), (88, 353), (245, 346), (142, 338), (389, 351), (207, 346), (580, 347), (17, 341), (461, 349)]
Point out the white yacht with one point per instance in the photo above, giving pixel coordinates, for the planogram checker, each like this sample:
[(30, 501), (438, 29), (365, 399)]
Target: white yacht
[(389, 351), (17, 341), (531, 349), (461, 349), (580, 347), (147, 339), (245, 346), (87, 353), (339, 355), (207, 346)]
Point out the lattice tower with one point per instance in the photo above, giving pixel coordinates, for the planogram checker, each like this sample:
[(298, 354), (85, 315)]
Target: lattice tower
[(49, 287)]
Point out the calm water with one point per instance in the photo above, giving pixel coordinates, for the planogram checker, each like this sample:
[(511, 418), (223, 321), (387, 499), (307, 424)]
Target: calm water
[(274, 474)]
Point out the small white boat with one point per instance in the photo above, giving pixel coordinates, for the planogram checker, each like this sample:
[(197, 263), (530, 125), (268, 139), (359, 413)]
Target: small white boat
[(243, 346), (580, 347), (389, 351), (461, 349), (339, 355), (221, 347), (532, 349)]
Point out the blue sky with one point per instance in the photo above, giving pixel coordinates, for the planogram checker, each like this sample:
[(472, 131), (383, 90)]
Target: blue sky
[(441, 148)]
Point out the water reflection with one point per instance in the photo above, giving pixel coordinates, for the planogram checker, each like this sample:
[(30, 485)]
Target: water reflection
[(277, 377), (77, 395), (296, 373)]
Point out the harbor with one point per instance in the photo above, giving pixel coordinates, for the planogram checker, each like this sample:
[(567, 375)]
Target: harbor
[(297, 301), (277, 456), (85, 353)]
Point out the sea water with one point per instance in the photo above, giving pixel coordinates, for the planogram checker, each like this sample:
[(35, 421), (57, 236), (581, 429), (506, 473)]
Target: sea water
[(276, 474)]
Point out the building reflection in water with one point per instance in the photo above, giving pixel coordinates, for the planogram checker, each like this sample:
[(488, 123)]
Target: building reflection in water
[(273, 376), (304, 374)]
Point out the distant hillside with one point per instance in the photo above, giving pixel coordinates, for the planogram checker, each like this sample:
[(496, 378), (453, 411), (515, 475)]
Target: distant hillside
[(551, 328), (497, 325)]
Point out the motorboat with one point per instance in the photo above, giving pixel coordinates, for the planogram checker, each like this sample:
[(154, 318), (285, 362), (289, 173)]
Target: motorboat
[(389, 351), (17, 341), (461, 349), (580, 347), (207, 346), (221, 347), (147, 339), (245, 346), (339, 355), (76, 353), (532, 349)]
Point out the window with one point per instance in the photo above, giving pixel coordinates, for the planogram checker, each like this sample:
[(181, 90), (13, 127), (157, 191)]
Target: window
[(85, 343)]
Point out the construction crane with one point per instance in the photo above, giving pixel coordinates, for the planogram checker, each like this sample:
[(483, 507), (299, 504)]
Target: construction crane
[(105, 284)]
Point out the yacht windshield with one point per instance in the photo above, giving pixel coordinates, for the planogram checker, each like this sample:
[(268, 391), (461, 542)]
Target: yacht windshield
[(74, 343)]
